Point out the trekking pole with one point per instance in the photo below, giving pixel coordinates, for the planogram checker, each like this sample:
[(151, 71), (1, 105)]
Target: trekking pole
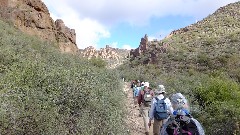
[(181, 129)]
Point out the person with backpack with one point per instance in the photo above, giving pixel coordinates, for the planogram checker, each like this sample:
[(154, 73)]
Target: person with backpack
[(137, 89), (160, 110), (181, 122), (144, 101), (133, 85)]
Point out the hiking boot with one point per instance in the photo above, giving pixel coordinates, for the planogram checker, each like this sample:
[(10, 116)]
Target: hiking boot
[(146, 133)]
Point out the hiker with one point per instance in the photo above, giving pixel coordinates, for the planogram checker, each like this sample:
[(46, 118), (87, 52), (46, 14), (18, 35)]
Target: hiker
[(142, 85), (160, 110), (144, 101), (137, 89), (133, 84), (181, 122)]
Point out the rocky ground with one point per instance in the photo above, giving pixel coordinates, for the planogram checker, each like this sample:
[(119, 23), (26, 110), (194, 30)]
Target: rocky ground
[(136, 126)]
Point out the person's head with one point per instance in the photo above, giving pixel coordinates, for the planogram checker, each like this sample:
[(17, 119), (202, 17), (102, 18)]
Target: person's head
[(146, 84), (160, 90), (135, 81), (142, 84), (179, 102)]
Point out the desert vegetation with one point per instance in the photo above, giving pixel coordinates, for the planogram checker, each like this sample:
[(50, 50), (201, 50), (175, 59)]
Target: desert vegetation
[(43, 91)]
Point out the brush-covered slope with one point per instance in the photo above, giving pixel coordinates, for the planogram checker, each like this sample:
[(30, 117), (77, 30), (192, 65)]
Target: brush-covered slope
[(46, 92), (210, 44)]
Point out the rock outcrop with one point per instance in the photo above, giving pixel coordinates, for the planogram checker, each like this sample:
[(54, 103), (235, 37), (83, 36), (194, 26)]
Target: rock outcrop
[(33, 17), (104, 53), (142, 47), (113, 56), (152, 48)]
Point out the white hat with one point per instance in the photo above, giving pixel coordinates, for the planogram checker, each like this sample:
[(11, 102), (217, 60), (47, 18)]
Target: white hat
[(179, 101), (146, 84), (161, 89)]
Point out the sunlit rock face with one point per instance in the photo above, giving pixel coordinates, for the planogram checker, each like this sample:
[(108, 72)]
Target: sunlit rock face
[(113, 56), (33, 17)]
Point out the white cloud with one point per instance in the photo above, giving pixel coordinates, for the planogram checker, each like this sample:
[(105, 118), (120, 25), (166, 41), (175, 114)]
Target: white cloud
[(88, 31), (159, 35), (93, 19), (151, 38), (114, 45), (140, 11), (128, 47)]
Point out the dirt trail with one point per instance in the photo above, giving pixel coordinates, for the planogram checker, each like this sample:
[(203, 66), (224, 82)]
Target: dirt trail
[(135, 122)]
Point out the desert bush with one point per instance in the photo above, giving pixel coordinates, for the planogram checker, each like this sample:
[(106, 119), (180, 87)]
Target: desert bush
[(234, 37), (43, 91), (98, 62), (219, 98), (204, 60)]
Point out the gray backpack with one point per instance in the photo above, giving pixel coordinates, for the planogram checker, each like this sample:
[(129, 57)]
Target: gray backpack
[(147, 98)]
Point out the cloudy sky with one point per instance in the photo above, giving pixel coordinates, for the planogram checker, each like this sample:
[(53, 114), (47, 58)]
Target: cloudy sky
[(122, 23)]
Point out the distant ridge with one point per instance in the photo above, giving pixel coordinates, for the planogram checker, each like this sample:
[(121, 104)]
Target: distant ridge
[(209, 44)]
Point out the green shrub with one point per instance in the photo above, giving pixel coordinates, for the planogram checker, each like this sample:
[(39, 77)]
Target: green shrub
[(220, 99), (98, 62), (204, 60), (234, 37), (43, 91)]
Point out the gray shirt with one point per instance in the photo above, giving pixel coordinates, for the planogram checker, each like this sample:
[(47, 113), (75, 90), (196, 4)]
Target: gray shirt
[(154, 101)]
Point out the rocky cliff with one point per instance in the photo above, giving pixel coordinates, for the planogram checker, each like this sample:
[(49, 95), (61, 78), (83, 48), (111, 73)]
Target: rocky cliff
[(33, 17), (152, 48), (113, 56)]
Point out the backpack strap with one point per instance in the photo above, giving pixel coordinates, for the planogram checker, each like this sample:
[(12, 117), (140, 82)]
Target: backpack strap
[(161, 99), (158, 99)]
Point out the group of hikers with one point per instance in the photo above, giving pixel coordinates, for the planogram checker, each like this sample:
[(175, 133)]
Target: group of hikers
[(169, 117)]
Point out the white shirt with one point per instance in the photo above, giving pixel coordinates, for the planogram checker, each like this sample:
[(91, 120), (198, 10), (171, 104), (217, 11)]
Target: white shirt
[(167, 101)]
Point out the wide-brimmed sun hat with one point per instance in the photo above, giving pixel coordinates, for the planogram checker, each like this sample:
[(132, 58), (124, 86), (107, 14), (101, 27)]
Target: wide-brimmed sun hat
[(146, 84), (161, 89)]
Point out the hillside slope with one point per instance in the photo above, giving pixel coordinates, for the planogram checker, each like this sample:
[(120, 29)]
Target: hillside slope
[(46, 92), (210, 44)]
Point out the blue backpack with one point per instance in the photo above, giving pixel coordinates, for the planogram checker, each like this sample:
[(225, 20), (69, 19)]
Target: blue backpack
[(160, 110)]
